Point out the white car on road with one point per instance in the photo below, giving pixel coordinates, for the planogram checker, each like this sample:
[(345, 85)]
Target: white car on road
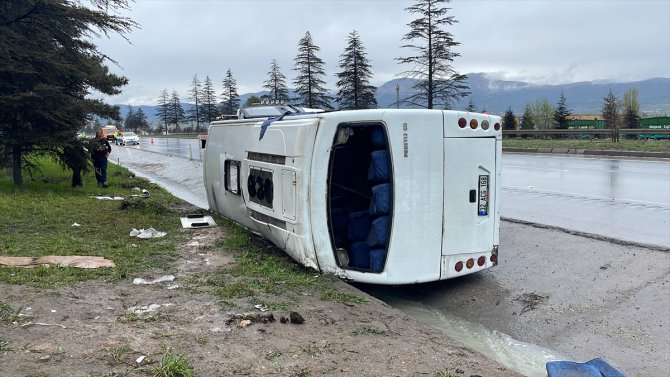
[(128, 137)]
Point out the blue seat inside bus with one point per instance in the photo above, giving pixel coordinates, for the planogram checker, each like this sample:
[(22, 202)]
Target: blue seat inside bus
[(361, 197), (381, 200), (379, 232), (380, 166), (360, 252)]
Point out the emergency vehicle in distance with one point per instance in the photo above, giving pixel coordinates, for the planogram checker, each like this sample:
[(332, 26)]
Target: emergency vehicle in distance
[(383, 196)]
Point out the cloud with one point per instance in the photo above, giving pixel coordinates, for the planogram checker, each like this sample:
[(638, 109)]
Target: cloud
[(539, 41)]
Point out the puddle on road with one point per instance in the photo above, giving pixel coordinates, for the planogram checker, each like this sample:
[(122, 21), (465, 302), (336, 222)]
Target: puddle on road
[(525, 358)]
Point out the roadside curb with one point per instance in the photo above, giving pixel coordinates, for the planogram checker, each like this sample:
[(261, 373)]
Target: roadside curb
[(589, 152)]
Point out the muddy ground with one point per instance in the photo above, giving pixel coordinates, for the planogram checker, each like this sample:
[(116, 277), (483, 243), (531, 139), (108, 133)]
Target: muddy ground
[(98, 328)]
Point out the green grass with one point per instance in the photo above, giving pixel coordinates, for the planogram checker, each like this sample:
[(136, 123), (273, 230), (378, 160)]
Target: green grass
[(37, 220), (598, 144), (260, 273), (172, 365)]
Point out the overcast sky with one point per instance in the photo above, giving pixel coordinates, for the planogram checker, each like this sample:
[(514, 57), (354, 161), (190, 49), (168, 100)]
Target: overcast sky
[(536, 41)]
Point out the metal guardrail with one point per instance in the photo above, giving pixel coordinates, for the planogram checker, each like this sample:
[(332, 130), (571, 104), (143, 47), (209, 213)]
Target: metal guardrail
[(590, 132)]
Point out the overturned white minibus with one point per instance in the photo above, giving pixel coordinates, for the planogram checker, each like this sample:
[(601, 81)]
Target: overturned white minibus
[(382, 196)]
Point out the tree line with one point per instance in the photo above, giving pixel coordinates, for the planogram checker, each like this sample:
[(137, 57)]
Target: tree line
[(437, 84), (50, 69), (541, 115)]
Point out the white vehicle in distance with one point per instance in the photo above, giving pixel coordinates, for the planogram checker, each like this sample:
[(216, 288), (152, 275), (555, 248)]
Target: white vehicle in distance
[(128, 137)]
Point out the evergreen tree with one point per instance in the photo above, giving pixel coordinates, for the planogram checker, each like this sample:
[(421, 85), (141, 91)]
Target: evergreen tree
[(471, 106), (49, 66), (163, 109), (128, 122), (209, 107), (194, 96), (631, 115), (276, 84), (231, 100), (438, 83), (509, 120), (527, 122), (309, 82), (561, 114), (355, 91), (176, 115), (610, 113), (141, 123)]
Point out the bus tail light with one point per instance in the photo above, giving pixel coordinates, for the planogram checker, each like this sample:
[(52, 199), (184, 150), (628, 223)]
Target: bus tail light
[(480, 261), (462, 122), (473, 123), (470, 263), (459, 266), (496, 126)]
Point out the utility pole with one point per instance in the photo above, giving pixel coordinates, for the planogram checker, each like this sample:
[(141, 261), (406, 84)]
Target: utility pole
[(397, 96)]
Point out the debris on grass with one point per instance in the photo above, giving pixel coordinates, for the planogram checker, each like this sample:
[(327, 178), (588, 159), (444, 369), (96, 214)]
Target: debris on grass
[(162, 279), (147, 233)]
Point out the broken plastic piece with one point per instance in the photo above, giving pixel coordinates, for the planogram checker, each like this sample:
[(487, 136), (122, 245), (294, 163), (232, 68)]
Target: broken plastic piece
[(107, 197), (197, 221), (164, 278)]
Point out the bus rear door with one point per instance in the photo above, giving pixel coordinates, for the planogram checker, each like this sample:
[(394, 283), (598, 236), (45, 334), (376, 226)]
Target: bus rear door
[(471, 220)]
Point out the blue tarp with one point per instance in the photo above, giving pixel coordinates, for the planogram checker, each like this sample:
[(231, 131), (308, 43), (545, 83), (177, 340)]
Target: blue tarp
[(593, 368)]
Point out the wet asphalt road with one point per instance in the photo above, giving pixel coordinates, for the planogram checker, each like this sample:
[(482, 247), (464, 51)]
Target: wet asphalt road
[(590, 298), (618, 198)]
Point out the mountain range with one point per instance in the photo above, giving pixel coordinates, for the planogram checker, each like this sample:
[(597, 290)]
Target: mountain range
[(496, 96)]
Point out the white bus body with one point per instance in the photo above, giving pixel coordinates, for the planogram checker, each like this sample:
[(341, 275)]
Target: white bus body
[(376, 196)]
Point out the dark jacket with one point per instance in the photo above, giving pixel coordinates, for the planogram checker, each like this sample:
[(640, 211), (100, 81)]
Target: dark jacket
[(100, 148)]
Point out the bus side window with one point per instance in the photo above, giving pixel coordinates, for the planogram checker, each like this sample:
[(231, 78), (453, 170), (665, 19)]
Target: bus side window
[(232, 176)]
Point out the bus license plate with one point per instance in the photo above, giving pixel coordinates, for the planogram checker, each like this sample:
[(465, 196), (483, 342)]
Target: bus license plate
[(483, 195)]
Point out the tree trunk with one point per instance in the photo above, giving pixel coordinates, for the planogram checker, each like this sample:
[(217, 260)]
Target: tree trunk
[(16, 166)]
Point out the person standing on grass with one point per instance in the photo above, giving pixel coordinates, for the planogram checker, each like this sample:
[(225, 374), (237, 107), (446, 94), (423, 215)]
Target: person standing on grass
[(100, 150)]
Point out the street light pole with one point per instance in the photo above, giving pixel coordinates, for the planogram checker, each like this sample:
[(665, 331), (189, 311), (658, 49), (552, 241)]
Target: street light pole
[(397, 96)]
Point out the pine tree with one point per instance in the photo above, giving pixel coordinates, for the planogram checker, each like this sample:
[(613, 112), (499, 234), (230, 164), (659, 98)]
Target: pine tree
[(163, 109), (176, 115), (355, 91), (527, 122), (130, 118), (509, 120), (610, 113), (561, 114), (209, 108), (276, 84), (231, 100), (141, 123), (194, 96), (309, 82), (438, 83), (49, 66)]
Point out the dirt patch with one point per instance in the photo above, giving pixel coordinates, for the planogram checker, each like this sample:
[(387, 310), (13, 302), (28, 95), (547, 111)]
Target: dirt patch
[(97, 328)]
